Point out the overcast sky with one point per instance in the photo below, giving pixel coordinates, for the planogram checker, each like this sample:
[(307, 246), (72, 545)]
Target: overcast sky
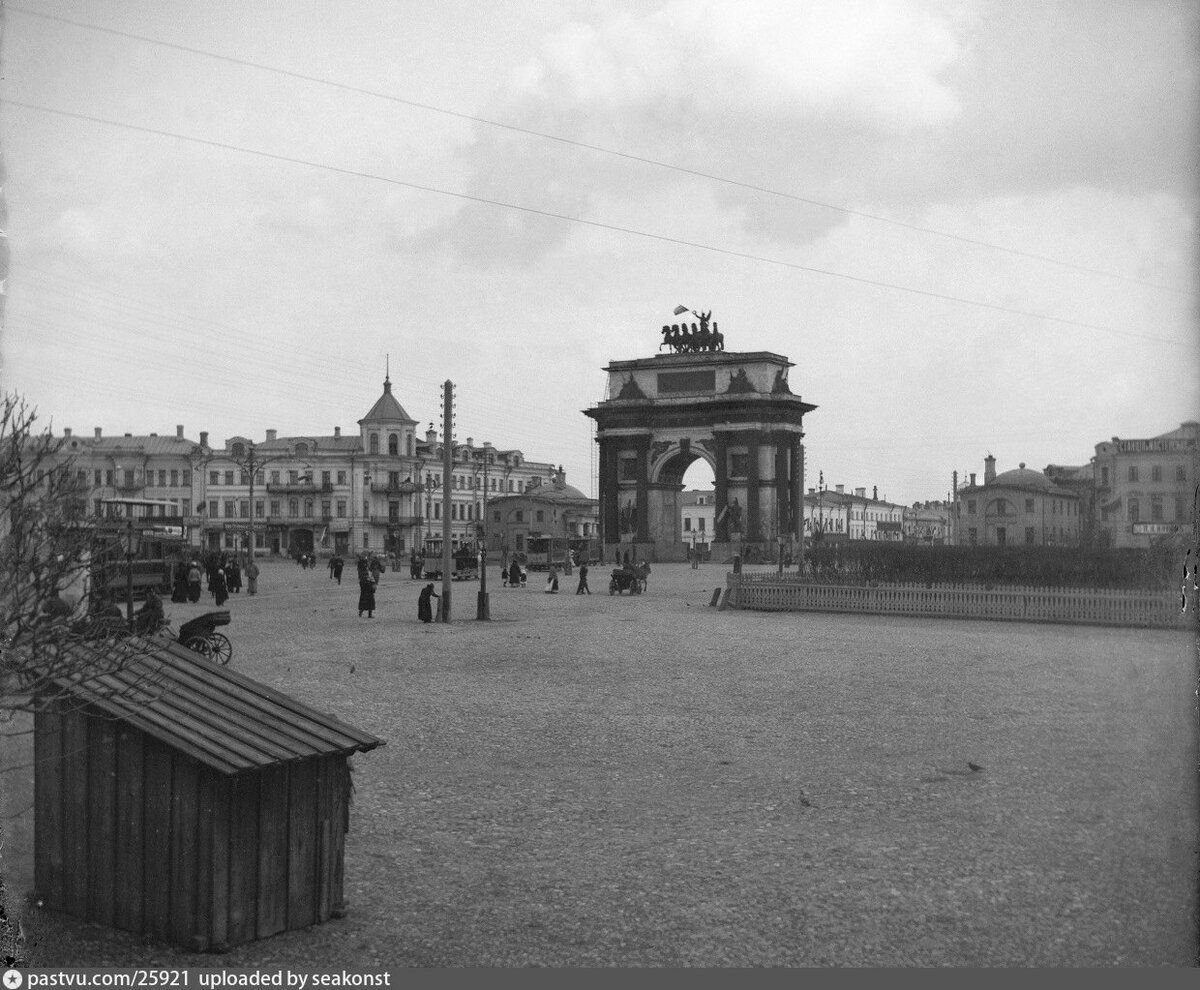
[(972, 225)]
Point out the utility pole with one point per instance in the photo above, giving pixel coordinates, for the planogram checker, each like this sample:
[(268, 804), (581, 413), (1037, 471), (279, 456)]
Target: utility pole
[(482, 611), (447, 468)]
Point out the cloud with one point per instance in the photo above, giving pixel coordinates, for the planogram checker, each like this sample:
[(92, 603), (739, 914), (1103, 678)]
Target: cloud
[(873, 60)]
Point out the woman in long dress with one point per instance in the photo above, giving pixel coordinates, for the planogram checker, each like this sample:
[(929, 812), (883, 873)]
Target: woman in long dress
[(425, 605), (366, 594)]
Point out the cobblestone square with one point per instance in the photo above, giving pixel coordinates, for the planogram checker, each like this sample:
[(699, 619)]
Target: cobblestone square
[(649, 781)]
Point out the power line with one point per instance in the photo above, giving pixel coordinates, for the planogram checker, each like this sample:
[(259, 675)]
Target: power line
[(530, 132), (729, 252)]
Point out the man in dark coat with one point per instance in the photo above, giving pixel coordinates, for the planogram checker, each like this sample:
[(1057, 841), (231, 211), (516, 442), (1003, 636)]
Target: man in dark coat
[(514, 574), (366, 594), (233, 576), (338, 564), (425, 604), (583, 585)]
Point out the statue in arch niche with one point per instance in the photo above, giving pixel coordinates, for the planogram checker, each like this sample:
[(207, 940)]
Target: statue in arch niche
[(628, 517)]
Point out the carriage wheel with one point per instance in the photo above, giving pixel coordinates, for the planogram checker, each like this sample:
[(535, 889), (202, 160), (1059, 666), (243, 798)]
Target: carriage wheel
[(199, 644), (222, 649)]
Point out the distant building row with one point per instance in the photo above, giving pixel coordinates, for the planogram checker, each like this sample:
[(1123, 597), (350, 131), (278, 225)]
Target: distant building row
[(1131, 493), (379, 490)]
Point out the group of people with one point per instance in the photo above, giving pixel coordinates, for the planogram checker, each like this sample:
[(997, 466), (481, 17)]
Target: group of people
[(223, 574)]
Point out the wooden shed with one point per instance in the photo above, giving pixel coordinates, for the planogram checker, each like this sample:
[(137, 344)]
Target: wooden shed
[(192, 804)]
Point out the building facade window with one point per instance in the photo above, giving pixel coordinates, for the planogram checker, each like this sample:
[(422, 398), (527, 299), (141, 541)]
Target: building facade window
[(214, 477), (1180, 473), (1156, 508), (293, 507), (229, 478), (393, 444), (1028, 505), (1133, 472), (1156, 472), (341, 508), (213, 512), (1029, 535), (341, 477), (1134, 510), (373, 443), (275, 507), (308, 508), (244, 508)]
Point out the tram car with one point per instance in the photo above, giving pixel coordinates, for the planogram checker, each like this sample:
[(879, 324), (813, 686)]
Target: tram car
[(464, 560), (544, 552)]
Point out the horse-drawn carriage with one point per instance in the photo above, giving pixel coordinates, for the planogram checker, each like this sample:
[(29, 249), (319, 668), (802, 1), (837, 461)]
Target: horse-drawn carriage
[(631, 578), (200, 634)]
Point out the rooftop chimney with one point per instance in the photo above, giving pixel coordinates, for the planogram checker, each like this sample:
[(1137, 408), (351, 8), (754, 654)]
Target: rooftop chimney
[(179, 431), (470, 441), (97, 433), (66, 431), (204, 438), (271, 434), (431, 435), (972, 479), (989, 469), (839, 488), (860, 492), (337, 432)]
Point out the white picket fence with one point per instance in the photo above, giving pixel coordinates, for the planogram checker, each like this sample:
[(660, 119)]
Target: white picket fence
[(764, 591)]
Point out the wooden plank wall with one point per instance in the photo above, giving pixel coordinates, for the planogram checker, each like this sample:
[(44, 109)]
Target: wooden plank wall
[(48, 807), (131, 833), (101, 797)]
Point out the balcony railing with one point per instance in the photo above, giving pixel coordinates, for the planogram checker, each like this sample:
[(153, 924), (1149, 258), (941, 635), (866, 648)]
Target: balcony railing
[(293, 487)]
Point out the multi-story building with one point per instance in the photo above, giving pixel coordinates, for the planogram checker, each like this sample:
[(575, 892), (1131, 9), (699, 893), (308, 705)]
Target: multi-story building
[(697, 514), (550, 508), (1079, 479), (153, 468), (1145, 489), (927, 523), (1021, 506), (867, 517), (825, 518)]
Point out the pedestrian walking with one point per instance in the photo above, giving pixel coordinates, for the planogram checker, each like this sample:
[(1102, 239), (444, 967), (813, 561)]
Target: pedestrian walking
[(252, 577), (233, 576), (583, 585), (366, 594), (332, 560), (514, 574), (193, 580), (425, 603), (338, 565), (179, 583), (552, 582), (220, 588)]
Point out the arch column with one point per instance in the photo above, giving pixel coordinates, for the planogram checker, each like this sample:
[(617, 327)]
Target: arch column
[(721, 486), (642, 446)]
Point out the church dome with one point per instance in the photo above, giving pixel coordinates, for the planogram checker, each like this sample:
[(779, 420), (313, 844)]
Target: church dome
[(1022, 477)]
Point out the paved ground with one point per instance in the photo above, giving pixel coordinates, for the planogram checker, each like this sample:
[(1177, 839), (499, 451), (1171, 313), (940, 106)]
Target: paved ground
[(600, 781)]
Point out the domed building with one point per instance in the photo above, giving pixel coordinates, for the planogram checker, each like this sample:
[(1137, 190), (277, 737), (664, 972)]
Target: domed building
[(548, 509), (1021, 507)]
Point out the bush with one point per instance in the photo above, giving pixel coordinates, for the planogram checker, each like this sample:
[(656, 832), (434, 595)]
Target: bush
[(1158, 567)]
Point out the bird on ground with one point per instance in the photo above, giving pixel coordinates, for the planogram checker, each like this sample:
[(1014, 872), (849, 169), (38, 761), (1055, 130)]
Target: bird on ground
[(974, 766)]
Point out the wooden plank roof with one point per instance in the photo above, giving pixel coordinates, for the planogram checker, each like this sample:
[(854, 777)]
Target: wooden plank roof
[(217, 716)]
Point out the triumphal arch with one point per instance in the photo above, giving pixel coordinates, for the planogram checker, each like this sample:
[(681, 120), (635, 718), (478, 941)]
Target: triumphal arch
[(698, 401)]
